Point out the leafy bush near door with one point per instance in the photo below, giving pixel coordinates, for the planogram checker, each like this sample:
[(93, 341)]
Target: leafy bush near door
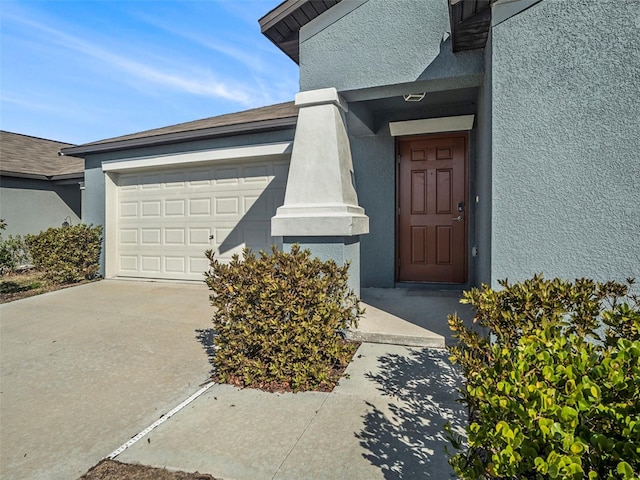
[(554, 390), (278, 320), (67, 254)]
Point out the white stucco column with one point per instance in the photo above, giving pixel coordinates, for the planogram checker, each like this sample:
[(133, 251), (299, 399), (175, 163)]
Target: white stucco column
[(320, 198)]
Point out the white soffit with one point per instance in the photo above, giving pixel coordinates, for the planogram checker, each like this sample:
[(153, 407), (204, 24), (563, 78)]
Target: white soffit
[(431, 125), (234, 153)]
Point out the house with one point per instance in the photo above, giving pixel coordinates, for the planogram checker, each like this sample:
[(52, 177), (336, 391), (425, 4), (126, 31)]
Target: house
[(38, 189), (443, 142)]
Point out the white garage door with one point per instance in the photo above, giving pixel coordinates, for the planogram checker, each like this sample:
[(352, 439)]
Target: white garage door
[(168, 218)]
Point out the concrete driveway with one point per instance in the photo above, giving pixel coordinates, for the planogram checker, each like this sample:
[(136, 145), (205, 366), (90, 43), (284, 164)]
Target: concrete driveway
[(85, 368)]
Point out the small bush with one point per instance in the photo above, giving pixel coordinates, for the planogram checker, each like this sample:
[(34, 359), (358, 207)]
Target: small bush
[(554, 390), (67, 254), (279, 318), (13, 252)]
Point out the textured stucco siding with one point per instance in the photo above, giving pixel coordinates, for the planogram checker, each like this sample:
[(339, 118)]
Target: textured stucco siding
[(95, 200), (29, 206), (481, 180), (374, 172), (566, 141), (385, 42)]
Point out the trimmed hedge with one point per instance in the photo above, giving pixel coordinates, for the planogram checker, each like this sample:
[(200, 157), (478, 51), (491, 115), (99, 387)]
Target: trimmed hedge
[(279, 318), (554, 390), (67, 254)]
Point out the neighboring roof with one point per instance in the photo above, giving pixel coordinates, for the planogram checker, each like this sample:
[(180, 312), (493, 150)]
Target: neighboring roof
[(32, 157), (263, 119), (470, 23), (282, 24)]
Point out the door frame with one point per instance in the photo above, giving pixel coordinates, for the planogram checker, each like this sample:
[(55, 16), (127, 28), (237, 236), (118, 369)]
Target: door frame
[(468, 211)]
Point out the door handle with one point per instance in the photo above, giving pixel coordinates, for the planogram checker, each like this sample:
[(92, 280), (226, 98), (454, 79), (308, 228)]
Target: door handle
[(459, 218), (210, 237)]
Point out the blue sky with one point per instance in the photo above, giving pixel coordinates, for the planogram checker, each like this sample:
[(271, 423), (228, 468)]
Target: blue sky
[(79, 71)]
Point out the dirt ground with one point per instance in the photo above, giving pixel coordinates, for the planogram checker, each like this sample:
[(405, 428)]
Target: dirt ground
[(114, 470), (15, 286)]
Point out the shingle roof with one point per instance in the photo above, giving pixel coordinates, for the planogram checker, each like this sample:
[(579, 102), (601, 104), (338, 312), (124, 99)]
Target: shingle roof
[(272, 117), (26, 156)]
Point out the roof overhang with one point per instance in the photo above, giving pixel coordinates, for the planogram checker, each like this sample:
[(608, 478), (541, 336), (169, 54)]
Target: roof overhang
[(180, 137), (282, 24), (49, 178), (470, 23)]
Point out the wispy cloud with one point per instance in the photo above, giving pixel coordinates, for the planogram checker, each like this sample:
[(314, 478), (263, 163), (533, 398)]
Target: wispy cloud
[(30, 104), (204, 83), (240, 55)]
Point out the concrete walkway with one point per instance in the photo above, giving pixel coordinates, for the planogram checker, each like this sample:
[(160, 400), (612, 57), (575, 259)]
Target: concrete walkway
[(85, 368), (409, 316), (385, 421)]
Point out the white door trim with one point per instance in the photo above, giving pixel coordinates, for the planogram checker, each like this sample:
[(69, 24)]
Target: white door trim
[(431, 125)]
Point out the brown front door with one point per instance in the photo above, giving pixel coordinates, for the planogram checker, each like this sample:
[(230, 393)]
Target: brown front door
[(432, 209)]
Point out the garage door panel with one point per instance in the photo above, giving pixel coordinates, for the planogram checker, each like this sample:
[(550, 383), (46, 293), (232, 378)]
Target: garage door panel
[(227, 205), (150, 236), (175, 265), (200, 206), (151, 208), (197, 266), (199, 237), (166, 218), (174, 236), (128, 209), (151, 264), (129, 264), (173, 208)]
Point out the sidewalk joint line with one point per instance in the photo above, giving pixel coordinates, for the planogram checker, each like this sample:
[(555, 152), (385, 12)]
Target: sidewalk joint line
[(300, 437), (159, 422)]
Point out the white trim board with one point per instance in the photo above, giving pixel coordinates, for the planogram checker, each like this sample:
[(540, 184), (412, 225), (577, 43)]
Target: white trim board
[(431, 125), (191, 158)]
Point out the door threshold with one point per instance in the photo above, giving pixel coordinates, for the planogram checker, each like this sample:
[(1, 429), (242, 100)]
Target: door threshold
[(435, 287)]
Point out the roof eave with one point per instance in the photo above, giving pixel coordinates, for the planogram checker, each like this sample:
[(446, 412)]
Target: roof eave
[(40, 176), (470, 22), (180, 137)]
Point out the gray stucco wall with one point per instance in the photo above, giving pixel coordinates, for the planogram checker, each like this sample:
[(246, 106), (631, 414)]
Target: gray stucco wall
[(95, 177), (384, 42), (566, 141), (481, 179), (374, 172), (29, 206)]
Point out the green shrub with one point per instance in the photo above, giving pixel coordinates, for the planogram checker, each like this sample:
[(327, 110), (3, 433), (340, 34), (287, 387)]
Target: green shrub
[(279, 319), (554, 389), (13, 252), (67, 254)]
